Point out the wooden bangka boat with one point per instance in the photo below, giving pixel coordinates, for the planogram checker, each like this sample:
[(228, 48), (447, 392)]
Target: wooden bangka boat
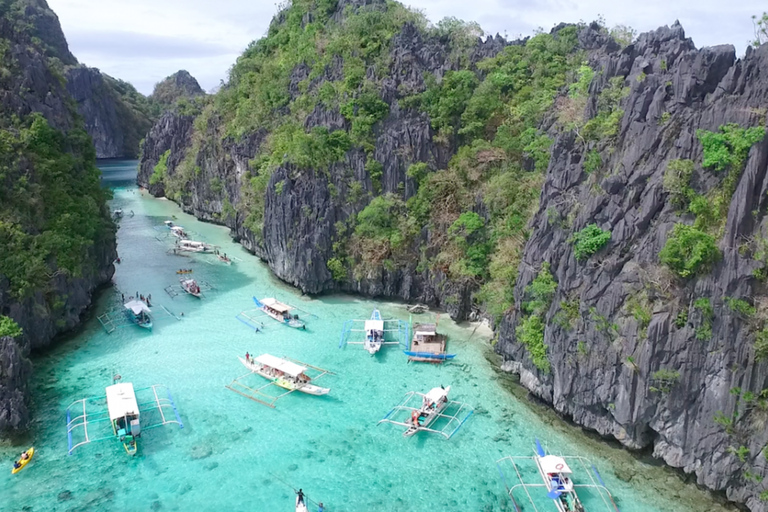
[(427, 345), (280, 312), (432, 405), (127, 419), (179, 232), (191, 287), (420, 412), (556, 474), (124, 415), (139, 313), (285, 374), (374, 333), (193, 246)]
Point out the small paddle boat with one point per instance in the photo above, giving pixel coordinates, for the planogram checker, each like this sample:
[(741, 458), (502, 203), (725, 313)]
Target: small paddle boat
[(22, 462)]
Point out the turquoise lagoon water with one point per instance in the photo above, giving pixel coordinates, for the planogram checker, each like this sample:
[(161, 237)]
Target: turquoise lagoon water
[(234, 454)]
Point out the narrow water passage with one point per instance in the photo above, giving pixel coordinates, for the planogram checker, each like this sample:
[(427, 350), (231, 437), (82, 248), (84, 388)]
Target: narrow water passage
[(234, 454)]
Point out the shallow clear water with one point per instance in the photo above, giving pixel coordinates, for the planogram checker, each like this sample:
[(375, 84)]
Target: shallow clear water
[(235, 454)]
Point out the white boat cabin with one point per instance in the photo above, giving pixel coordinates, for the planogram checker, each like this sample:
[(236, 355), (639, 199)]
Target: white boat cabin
[(287, 367), (276, 307), (374, 326), (123, 408), (193, 246), (552, 465)]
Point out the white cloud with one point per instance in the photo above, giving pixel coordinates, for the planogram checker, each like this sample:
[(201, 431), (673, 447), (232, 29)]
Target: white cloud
[(143, 41)]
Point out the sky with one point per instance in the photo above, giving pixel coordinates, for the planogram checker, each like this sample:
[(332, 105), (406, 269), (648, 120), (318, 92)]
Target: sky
[(143, 41)]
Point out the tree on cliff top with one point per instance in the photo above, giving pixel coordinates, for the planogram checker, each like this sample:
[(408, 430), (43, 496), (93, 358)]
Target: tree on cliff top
[(761, 29)]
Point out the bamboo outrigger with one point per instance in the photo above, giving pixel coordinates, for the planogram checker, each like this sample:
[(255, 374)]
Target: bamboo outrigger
[(274, 309), (126, 416), (435, 413), (378, 332), (557, 482), (133, 311), (285, 373)]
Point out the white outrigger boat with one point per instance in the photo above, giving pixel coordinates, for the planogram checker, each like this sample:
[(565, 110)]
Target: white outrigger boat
[(378, 332), (556, 474), (281, 372), (127, 417), (374, 333), (193, 246), (274, 309), (134, 311), (179, 233), (280, 311), (434, 405), (191, 287), (139, 313), (557, 477)]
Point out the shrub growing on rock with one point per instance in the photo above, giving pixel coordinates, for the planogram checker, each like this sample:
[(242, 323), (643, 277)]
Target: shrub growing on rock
[(590, 240), (689, 251)]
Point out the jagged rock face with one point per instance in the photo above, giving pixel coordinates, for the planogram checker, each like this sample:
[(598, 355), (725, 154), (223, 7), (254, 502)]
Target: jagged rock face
[(602, 365), (116, 128), (45, 26), (179, 85), (56, 307), (14, 402), (300, 223)]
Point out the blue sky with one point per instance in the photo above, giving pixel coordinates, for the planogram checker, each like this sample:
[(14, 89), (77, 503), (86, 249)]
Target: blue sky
[(143, 41)]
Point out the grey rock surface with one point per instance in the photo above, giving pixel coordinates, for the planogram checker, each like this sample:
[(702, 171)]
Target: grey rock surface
[(604, 364)]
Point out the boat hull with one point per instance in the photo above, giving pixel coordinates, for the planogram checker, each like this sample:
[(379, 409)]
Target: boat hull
[(550, 486), (372, 346), (309, 389), (31, 453), (429, 415)]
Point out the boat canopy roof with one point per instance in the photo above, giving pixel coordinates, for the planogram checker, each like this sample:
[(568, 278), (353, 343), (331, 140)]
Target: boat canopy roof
[(137, 306), (177, 228), (425, 329), (121, 401), (292, 369), (168, 222), (192, 243), (275, 304), (374, 325), (554, 464), (436, 394)]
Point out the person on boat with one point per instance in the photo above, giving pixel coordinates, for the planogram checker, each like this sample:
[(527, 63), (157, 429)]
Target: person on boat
[(24, 456), (415, 419), (247, 357), (16, 464), (301, 497)]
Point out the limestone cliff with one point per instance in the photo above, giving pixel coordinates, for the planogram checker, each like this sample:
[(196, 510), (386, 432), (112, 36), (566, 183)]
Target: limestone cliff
[(57, 238), (677, 355), (603, 203), (117, 117), (179, 85)]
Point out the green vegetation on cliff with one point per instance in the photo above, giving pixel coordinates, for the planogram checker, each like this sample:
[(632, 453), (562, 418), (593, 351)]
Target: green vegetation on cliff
[(52, 205), (487, 112)]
